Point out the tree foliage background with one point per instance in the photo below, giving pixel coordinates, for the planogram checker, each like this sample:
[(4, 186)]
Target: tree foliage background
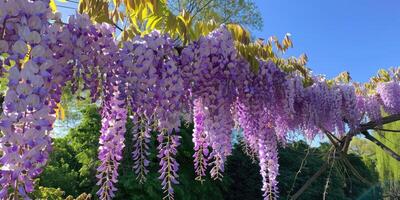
[(73, 162)]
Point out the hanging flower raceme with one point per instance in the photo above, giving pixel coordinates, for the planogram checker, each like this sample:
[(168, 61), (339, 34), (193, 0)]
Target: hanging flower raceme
[(200, 140), (169, 166), (268, 158), (92, 46), (141, 113), (155, 82), (349, 102), (114, 117), (141, 140), (372, 107), (248, 117), (10, 17), (26, 120), (321, 108), (389, 96), (257, 113), (114, 108), (59, 68), (211, 72), (279, 93), (247, 111), (155, 89)]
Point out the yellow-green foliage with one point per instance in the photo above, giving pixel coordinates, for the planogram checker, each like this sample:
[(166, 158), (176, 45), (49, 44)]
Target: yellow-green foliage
[(140, 17), (388, 167)]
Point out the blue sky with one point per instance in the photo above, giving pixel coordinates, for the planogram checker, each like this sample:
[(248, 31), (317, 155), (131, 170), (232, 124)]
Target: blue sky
[(359, 36)]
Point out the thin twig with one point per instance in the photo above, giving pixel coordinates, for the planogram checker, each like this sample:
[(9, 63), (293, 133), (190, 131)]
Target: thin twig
[(352, 169), (383, 136), (3, 32), (116, 26), (68, 7), (200, 9), (72, 1), (387, 130), (308, 183), (381, 145), (329, 177), (303, 162)]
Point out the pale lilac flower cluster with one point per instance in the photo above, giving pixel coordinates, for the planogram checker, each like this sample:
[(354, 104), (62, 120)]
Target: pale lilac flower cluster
[(94, 52), (321, 107), (140, 153), (200, 140), (88, 52), (389, 93), (114, 117), (169, 166), (372, 107), (59, 68), (211, 73), (154, 79), (268, 157), (155, 89), (26, 120), (258, 111), (141, 102), (111, 142), (349, 102)]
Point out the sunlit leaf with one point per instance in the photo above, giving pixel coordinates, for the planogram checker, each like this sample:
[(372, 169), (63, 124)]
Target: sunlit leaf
[(53, 6)]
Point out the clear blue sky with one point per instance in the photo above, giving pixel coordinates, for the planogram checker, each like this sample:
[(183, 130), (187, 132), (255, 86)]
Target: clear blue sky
[(359, 36)]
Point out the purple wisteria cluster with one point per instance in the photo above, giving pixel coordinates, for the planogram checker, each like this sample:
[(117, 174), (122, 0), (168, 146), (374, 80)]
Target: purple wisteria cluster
[(155, 90), (86, 55), (114, 114), (93, 62), (257, 108), (27, 116), (389, 96), (95, 53), (148, 80), (211, 72), (200, 140)]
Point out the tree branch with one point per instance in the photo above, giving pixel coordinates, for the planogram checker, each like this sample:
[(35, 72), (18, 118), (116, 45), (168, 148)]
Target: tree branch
[(345, 142), (381, 145), (387, 130), (116, 26), (200, 9), (331, 137), (323, 168), (382, 121), (347, 163)]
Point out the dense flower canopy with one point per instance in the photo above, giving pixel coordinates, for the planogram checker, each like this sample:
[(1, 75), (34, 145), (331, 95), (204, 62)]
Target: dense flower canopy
[(146, 79)]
